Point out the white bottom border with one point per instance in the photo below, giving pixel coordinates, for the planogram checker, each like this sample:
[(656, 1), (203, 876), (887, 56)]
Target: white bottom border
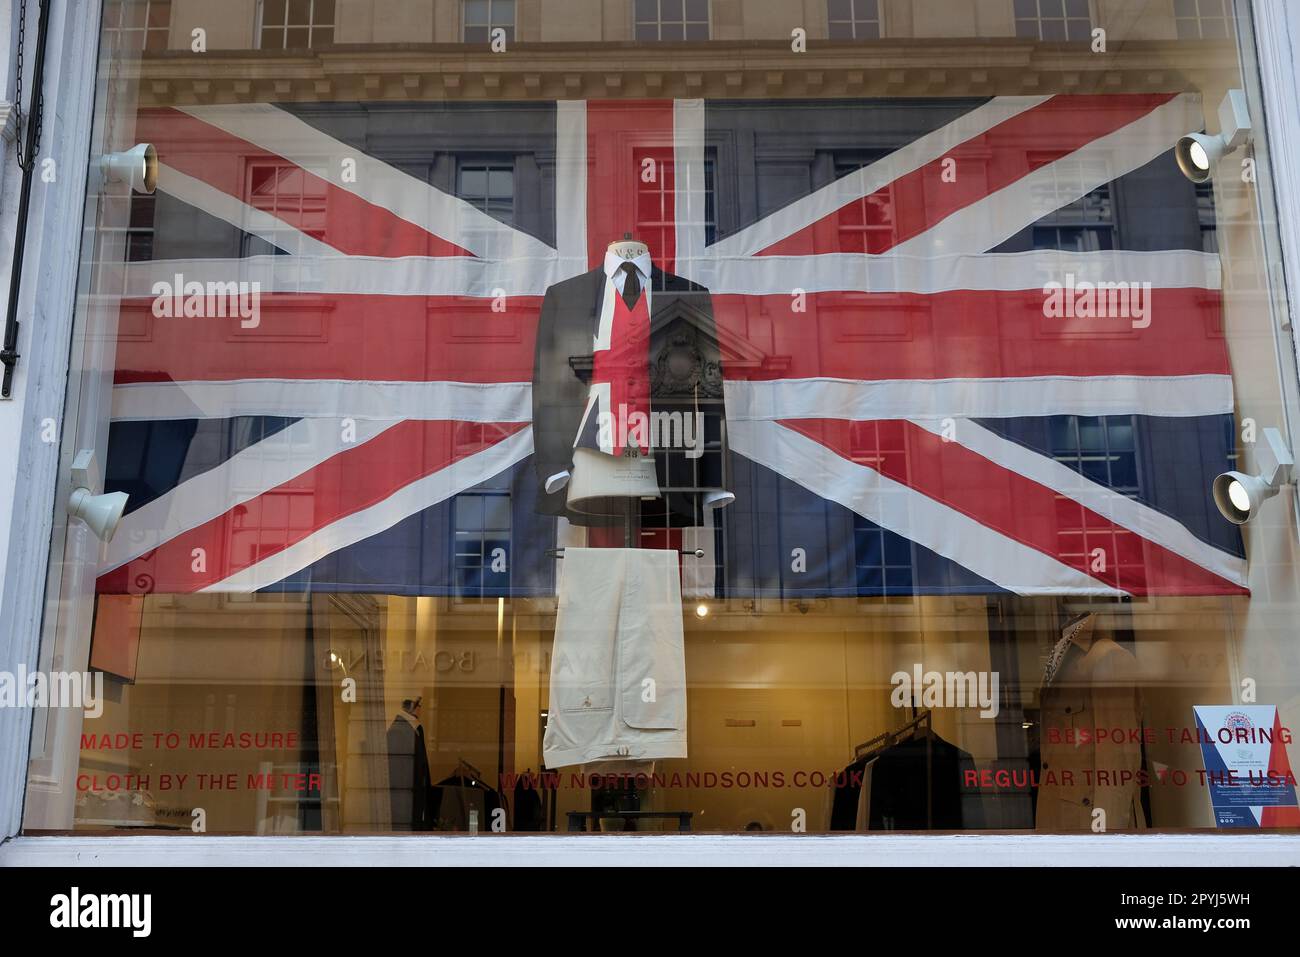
[(876, 850)]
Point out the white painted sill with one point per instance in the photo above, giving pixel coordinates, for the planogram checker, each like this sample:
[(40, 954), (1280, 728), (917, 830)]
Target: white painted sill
[(883, 850)]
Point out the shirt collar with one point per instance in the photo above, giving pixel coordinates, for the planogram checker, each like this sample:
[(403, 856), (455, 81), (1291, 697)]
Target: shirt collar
[(410, 718), (641, 262)]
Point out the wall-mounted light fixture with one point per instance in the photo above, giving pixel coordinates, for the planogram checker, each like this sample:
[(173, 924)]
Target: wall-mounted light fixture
[(1239, 495), (137, 167), (1199, 153)]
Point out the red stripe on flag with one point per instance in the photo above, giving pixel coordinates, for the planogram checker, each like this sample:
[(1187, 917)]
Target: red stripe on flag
[(864, 336), (277, 186), (1015, 506), (964, 334), (630, 178), (269, 523), (919, 200), (386, 338)]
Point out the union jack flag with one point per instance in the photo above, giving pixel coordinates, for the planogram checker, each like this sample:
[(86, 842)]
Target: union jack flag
[(905, 415)]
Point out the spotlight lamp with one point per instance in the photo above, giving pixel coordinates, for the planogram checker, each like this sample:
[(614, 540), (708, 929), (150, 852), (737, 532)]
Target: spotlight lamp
[(137, 167), (102, 511), (1199, 153), (1239, 495)]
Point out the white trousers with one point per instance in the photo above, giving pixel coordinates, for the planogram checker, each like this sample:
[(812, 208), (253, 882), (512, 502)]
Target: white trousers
[(618, 665)]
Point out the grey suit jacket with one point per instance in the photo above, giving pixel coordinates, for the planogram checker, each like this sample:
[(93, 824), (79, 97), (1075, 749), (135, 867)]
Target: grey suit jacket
[(685, 375)]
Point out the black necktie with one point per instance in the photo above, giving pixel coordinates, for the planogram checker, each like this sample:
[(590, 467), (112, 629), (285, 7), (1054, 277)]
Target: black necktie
[(631, 284)]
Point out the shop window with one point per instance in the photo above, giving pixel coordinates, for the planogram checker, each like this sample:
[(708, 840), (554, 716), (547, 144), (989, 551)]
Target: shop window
[(655, 200), (671, 19), (268, 551), (1053, 21), (1203, 19), (137, 25), (481, 17), (489, 185), (853, 19), (482, 544), (296, 24)]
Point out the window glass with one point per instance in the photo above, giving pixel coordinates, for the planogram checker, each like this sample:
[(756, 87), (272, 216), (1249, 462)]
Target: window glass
[(671, 19), (296, 24), (853, 19), (574, 438)]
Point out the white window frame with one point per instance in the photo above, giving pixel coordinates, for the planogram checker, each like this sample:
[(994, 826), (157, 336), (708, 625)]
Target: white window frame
[(42, 386)]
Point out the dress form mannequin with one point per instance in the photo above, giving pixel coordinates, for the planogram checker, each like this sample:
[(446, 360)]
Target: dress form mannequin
[(628, 248), (1090, 682)]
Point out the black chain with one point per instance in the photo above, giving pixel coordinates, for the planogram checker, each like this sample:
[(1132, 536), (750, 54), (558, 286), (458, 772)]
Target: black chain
[(18, 98), (38, 108)]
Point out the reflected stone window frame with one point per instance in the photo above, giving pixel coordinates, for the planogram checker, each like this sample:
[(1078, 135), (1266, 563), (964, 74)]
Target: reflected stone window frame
[(853, 19), (1054, 21), (1204, 19), (672, 21), (480, 17), (137, 25), (295, 24)]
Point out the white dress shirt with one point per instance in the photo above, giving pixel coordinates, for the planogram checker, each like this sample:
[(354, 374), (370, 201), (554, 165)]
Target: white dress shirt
[(618, 276)]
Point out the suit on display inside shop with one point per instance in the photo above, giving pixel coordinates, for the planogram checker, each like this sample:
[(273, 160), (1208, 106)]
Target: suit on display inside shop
[(409, 783), (627, 364)]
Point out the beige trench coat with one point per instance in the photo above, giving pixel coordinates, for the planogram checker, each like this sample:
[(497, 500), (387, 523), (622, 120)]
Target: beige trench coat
[(1094, 687)]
